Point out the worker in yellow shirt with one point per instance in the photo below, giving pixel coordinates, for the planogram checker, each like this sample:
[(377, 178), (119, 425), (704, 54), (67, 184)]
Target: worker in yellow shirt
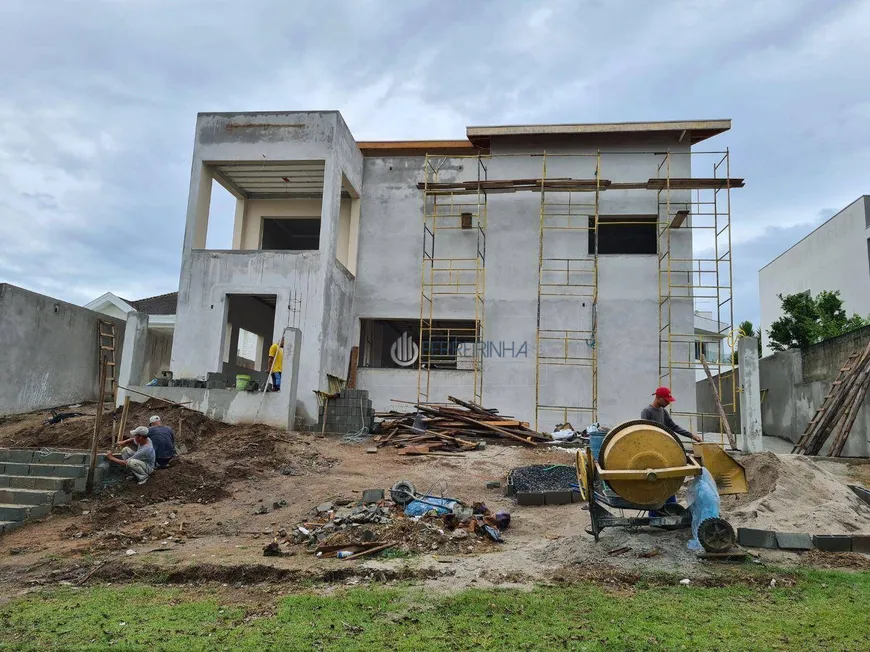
[(276, 361)]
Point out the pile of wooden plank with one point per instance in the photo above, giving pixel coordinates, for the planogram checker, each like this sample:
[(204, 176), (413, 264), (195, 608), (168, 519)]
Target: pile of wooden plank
[(437, 429), (840, 408)]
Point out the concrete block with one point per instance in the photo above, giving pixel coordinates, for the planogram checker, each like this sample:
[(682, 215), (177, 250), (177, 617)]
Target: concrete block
[(12, 512), (26, 496), (8, 526), (530, 498), (65, 485), (576, 497), (752, 538), (59, 457), (794, 541), (50, 470), (558, 497), (20, 456), (833, 542), (372, 496), (861, 492), (861, 543)]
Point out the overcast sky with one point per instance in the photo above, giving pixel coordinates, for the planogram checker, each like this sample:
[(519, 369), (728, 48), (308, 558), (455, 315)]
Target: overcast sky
[(98, 102)]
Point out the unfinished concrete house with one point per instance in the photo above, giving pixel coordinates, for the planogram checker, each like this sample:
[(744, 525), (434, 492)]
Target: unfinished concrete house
[(550, 271)]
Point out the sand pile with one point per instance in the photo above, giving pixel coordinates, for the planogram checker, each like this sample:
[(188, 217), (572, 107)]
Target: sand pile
[(791, 493)]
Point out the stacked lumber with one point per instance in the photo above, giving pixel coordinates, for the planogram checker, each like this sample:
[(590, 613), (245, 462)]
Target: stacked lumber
[(444, 429), (840, 408)]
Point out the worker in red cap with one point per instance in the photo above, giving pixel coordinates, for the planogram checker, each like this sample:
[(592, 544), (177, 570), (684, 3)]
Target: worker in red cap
[(655, 411)]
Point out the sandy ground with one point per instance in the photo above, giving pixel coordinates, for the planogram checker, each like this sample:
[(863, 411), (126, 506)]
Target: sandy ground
[(197, 522)]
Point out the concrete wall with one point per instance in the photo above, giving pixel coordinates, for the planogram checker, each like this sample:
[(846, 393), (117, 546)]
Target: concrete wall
[(48, 351), (389, 283), (228, 405), (208, 277), (793, 386), (384, 385), (836, 256)]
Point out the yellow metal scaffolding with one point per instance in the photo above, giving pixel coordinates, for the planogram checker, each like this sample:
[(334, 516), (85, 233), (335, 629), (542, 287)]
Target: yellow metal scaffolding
[(696, 274), (694, 270), (450, 281), (566, 359)]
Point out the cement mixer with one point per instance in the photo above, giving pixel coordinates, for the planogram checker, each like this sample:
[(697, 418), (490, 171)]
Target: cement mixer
[(640, 465)]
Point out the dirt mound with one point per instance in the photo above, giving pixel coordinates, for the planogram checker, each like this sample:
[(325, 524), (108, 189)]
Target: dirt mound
[(791, 493)]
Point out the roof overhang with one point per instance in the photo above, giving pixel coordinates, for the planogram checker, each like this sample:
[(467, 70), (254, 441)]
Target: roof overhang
[(108, 299), (376, 148), (270, 179), (694, 130)]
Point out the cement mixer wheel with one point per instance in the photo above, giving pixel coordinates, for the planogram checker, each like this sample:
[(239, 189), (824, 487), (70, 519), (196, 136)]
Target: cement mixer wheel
[(637, 422), (716, 535)]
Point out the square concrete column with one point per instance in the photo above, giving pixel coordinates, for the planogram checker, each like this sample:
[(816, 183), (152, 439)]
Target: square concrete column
[(290, 375), (134, 353), (750, 396)]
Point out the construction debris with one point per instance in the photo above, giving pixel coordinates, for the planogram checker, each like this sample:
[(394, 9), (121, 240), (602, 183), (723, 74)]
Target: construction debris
[(840, 408), (448, 428), (365, 529)]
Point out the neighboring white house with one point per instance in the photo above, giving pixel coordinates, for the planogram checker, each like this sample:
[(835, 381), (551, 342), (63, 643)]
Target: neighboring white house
[(160, 309), (835, 256), (709, 335), (161, 317)]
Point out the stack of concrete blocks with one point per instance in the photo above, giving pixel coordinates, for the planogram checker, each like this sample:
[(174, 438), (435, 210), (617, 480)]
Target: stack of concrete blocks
[(348, 413)]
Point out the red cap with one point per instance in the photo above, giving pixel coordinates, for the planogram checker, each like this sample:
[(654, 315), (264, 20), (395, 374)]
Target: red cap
[(665, 393)]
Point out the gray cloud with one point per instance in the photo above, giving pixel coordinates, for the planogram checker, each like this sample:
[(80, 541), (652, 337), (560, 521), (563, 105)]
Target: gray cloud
[(99, 102)]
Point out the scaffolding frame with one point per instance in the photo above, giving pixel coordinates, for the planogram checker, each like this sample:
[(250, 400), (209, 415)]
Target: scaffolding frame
[(697, 211), (450, 210), (574, 280), (686, 206)]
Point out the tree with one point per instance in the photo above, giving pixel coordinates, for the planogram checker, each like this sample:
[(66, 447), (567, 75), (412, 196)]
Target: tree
[(807, 320), (746, 329)]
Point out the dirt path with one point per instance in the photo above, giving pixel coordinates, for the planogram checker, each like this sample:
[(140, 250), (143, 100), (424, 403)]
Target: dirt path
[(198, 520)]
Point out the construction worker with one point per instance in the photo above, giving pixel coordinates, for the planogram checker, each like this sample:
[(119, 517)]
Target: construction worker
[(276, 363), (140, 461), (163, 440), (655, 411)]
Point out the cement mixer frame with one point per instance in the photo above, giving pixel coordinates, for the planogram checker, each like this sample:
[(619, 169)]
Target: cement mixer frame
[(670, 516)]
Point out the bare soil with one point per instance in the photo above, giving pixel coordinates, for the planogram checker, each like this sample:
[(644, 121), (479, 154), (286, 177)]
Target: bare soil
[(199, 521)]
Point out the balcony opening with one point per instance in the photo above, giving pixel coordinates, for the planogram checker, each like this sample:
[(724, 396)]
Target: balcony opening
[(250, 331), (291, 233)]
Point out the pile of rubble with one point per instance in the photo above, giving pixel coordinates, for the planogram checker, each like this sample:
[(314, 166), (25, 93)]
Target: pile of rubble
[(348, 529)]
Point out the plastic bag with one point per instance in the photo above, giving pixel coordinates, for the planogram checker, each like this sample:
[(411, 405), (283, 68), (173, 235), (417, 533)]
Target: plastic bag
[(428, 504), (703, 500)]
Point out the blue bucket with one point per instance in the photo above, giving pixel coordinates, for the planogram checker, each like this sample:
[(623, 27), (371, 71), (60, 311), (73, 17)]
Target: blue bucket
[(596, 438)]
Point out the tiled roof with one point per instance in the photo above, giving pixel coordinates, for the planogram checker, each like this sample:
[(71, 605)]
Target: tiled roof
[(162, 304)]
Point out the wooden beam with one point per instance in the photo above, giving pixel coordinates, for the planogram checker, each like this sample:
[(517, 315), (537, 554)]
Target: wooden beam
[(731, 438), (98, 420), (679, 218)]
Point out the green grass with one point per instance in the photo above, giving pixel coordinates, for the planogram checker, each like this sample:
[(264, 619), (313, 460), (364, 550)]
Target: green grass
[(824, 610)]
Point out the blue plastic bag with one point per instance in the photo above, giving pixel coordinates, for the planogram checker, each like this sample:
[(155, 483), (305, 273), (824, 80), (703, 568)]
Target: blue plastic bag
[(429, 504), (703, 500)]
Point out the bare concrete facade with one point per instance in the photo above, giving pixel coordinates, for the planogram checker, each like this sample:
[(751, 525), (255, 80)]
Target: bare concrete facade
[(362, 261)]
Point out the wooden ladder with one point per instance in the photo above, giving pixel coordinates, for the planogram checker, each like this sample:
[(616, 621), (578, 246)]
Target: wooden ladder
[(844, 371), (107, 349)]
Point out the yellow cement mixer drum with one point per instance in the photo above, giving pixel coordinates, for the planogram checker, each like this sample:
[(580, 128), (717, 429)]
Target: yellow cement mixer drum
[(639, 447)]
